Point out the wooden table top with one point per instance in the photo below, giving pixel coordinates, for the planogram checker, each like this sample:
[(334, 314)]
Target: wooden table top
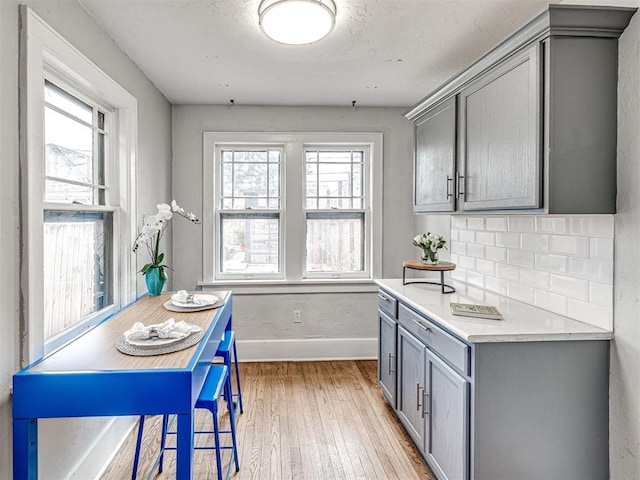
[(96, 349), (437, 267)]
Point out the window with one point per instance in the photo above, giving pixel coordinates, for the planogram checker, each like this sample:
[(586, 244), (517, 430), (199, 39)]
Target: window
[(78, 143), (78, 241), (291, 207)]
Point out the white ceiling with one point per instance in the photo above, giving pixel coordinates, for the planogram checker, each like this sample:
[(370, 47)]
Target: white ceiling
[(381, 53)]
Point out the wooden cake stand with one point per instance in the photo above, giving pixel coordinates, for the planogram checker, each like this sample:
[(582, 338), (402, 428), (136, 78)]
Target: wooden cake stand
[(438, 267)]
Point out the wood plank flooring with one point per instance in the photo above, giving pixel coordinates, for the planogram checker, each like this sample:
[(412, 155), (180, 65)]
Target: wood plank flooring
[(302, 420)]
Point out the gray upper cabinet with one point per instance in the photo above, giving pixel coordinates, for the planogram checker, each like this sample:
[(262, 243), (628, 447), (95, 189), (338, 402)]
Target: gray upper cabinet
[(434, 162), (499, 161), (535, 124)]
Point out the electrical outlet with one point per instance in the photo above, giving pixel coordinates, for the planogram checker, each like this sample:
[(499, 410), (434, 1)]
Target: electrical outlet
[(297, 316)]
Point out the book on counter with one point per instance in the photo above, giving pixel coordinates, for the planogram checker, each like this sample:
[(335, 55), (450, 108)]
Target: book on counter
[(479, 311)]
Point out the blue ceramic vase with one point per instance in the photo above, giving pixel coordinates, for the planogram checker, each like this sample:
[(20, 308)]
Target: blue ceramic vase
[(155, 279)]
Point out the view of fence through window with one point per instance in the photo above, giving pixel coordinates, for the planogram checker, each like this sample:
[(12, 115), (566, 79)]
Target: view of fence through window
[(77, 239), (335, 215)]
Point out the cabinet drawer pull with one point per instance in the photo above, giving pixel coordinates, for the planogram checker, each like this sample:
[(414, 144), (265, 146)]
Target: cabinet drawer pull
[(418, 397), (384, 298), (425, 399), (426, 329), (449, 179), (391, 370), (460, 185)]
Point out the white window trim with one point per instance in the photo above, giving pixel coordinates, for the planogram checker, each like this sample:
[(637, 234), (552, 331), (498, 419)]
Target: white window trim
[(43, 50), (293, 280)]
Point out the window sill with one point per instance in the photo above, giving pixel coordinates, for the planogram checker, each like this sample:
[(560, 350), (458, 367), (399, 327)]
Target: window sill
[(279, 287)]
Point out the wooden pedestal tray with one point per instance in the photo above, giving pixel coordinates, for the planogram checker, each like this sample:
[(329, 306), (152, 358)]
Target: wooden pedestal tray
[(438, 267)]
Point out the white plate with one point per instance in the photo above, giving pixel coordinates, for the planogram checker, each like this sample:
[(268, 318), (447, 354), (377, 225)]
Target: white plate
[(154, 342), (194, 305)]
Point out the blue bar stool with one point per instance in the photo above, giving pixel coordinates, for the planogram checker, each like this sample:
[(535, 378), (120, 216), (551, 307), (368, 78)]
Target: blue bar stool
[(217, 382), (224, 350)]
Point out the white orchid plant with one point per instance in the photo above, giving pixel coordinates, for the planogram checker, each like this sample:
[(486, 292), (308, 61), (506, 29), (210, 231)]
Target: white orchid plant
[(153, 229), (430, 243)]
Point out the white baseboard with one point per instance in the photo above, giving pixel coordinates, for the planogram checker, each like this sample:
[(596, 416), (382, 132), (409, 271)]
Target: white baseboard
[(99, 455), (308, 349)]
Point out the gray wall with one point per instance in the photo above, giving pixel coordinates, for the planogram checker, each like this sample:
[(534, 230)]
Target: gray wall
[(64, 441), (269, 317)]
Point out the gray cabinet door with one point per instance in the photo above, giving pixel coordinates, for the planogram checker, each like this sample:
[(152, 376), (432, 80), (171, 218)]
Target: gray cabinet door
[(434, 163), (387, 356), (411, 367), (500, 133), (447, 412)]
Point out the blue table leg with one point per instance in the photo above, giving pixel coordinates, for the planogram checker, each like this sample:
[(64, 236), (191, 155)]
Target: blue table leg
[(25, 449), (184, 462)]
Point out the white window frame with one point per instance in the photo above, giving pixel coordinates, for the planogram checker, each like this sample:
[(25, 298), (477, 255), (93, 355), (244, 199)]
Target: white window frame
[(294, 218), (47, 55)]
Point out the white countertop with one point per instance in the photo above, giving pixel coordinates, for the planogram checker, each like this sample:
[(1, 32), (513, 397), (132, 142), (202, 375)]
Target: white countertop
[(521, 323)]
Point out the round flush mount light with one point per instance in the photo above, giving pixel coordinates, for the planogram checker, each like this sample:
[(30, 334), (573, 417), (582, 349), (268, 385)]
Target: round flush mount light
[(297, 22)]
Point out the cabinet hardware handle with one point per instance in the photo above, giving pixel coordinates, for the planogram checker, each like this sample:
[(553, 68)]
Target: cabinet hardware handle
[(390, 357), (460, 185), (425, 399), (426, 329), (418, 388), (449, 179), (384, 299)]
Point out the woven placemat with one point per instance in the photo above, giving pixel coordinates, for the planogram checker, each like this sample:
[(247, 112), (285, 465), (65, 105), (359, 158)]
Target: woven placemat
[(174, 308), (147, 351)]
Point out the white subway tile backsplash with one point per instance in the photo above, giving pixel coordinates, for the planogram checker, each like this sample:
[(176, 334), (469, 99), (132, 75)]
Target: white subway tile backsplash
[(563, 264), (475, 250), (551, 301), (475, 223), (495, 285), (521, 258), (569, 286), (459, 222), (520, 292), (486, 267), (468, 236), (595, 270), (534, 278), (522, 223), (507, 272), (508, 240), (601, 294), (601, 248), (569, 245), (551, 224), (549, 262), (485, 238), (596, 226), (497, 254), (459, 248), (467, 262), (535, 241), (498, 224)]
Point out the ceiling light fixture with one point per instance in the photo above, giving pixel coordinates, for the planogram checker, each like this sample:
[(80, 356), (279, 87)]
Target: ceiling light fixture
[(297, 22)]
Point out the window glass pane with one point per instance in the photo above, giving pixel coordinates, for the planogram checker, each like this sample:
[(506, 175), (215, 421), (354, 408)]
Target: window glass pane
[(62, 192), (344, 156), (249, 156), (69, 148), (274, 156), (336, 179), (227, 180), (274, 180), (67, 102), (335, 242), (77, 267), (250, 244)]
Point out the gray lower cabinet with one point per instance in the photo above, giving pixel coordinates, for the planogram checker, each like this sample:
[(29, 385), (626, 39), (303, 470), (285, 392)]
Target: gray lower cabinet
[(387, 332), (447, 419), (499, 126), (503, 410)]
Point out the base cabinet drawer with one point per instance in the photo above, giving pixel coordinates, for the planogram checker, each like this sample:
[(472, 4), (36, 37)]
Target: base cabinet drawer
[(388, 304), (455, 352)]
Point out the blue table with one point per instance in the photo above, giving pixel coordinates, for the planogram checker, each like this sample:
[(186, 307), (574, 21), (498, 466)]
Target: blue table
[(90, 377)]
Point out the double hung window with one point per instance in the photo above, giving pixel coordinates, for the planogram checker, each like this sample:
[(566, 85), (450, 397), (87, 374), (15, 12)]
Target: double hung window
[(291, 207)]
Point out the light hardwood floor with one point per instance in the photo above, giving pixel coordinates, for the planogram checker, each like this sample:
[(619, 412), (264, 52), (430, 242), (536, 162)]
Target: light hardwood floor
[(302, 420)]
